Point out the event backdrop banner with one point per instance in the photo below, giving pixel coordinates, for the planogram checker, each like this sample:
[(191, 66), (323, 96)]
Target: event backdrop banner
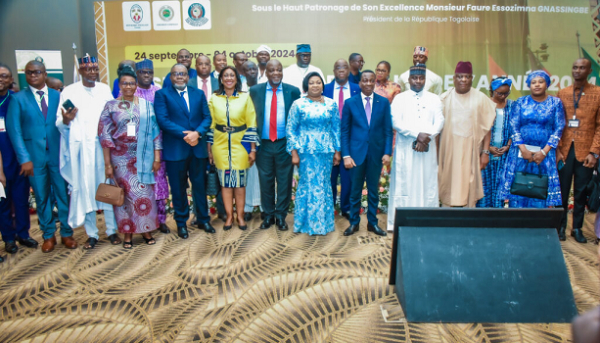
[(52, 59), (500, 37)]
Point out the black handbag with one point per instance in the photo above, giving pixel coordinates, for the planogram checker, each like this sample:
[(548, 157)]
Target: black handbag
[(593, 191), (530, 185), (212, 181)]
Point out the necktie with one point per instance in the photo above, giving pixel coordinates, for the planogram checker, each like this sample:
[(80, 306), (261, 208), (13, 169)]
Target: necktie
[(273, 123), (43, 103), (205, 88), (341, 100), (368, 110), (184, 102)]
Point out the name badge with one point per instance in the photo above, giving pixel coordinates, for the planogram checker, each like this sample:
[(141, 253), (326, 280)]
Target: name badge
[(131, 130), (2, 125), (574, 123)]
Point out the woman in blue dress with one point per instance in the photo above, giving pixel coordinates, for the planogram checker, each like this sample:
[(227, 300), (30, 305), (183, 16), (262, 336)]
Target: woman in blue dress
[(499, 144), (313, 140), (537, 124)]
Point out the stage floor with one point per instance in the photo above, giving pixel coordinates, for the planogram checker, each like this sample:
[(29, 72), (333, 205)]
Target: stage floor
[(234, 286)]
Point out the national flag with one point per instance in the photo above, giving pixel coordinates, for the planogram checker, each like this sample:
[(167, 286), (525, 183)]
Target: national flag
[(595, 74), (495, 70)]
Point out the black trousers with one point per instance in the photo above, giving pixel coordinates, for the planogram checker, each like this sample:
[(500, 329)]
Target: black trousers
[(275, 173), (583, 175), (178, 173)]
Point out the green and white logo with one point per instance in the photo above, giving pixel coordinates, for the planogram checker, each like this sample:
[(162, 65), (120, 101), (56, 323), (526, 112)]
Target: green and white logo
[(166, 13)]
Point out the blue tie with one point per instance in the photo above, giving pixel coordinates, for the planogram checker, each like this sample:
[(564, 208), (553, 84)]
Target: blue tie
[(184, 102)]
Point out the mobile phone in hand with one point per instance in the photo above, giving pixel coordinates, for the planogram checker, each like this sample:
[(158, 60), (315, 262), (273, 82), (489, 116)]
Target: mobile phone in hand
[(68, 105)]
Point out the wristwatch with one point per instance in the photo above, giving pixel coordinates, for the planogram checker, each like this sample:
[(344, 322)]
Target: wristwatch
[(487, 152), (595, 155)]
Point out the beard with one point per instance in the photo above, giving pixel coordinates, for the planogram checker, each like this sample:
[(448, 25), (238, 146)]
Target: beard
[(179, 87)]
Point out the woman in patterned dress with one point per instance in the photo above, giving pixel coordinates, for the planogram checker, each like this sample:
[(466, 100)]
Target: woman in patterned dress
[(500, 142), (313, 140), (233, 125), (131, 143), (536, 125), (383, 85)]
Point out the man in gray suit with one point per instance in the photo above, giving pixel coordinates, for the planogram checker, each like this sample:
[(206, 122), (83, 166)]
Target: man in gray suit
[(204, 81), (272, 102)]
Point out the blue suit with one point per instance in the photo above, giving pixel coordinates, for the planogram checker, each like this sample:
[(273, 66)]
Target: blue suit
[(36, 139), (17, 186), (366, 144), (340, 170), (183, 160)]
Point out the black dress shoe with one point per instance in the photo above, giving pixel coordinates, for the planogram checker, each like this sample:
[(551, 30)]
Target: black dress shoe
[(11, 247), (267, 222), (376, 230), (562, 234), (28, 242), (351, 230), (164, 228), (182, 232), (578, 236), (243, 227), (207, 227), (281, 224), (248, 216)]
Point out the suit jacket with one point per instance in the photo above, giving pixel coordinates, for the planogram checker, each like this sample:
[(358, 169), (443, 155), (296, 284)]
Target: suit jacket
[(358, 137), (258, 93), (30, 133), (328, 90), (214, 83), (173, 118)]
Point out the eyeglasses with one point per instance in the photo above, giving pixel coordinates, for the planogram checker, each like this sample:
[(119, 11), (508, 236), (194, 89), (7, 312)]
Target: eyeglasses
[(341, 67), (4, 76), (128, 84), (184, 57), (33, 72), (180, 73), (505, 94), (92, 70), (146, 72), (383, 71)]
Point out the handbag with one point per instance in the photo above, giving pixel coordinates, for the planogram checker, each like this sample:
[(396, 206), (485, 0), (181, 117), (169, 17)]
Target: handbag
[(212, 181), (530, 185), (110, 194), (593, 191)]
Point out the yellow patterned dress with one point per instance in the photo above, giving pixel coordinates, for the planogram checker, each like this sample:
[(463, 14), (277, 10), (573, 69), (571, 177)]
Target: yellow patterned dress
[(230, 149)]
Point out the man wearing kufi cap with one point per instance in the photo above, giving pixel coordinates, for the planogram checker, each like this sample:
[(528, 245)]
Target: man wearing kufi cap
[(81, 157), (263, 56), (418, 118), (464, 145), (433, 82), (294, 74)]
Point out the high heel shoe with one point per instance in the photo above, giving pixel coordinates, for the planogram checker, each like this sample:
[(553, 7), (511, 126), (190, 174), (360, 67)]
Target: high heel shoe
[(243, 227), (228, 227)]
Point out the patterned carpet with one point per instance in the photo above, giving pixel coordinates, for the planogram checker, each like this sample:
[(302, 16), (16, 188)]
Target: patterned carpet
[(254, 286)]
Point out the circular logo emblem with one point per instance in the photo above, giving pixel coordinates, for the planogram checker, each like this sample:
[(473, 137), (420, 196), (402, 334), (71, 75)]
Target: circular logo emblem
[(196, 11), (136, 13), (39, 59), (196, 15), (166, 13)]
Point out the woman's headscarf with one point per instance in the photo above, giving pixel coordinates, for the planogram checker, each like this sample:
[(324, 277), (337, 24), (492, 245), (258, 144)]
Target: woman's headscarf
[(501, 81), (538, 73)]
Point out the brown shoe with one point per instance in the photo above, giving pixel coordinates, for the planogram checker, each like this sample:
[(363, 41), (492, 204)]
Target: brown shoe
[(69, 242), (49, 244)]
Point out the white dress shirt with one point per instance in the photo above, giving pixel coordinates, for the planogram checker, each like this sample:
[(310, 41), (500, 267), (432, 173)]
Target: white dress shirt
[(345, 91), (364, 100), (38, 98), (185, 96), (209, 89)]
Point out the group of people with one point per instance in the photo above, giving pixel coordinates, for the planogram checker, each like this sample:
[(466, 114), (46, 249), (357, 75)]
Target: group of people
[(255, 123)]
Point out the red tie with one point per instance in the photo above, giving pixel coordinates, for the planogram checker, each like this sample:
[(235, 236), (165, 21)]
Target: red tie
[(205, 88), (273, 125), (341, 100)]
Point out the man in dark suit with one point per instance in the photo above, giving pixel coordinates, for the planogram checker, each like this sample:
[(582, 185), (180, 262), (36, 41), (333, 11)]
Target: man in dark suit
[(208, 84), (31, 126), (205, 80), (272, 102), (184, 118), (366, 145), (340, 90), (16, 186)]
